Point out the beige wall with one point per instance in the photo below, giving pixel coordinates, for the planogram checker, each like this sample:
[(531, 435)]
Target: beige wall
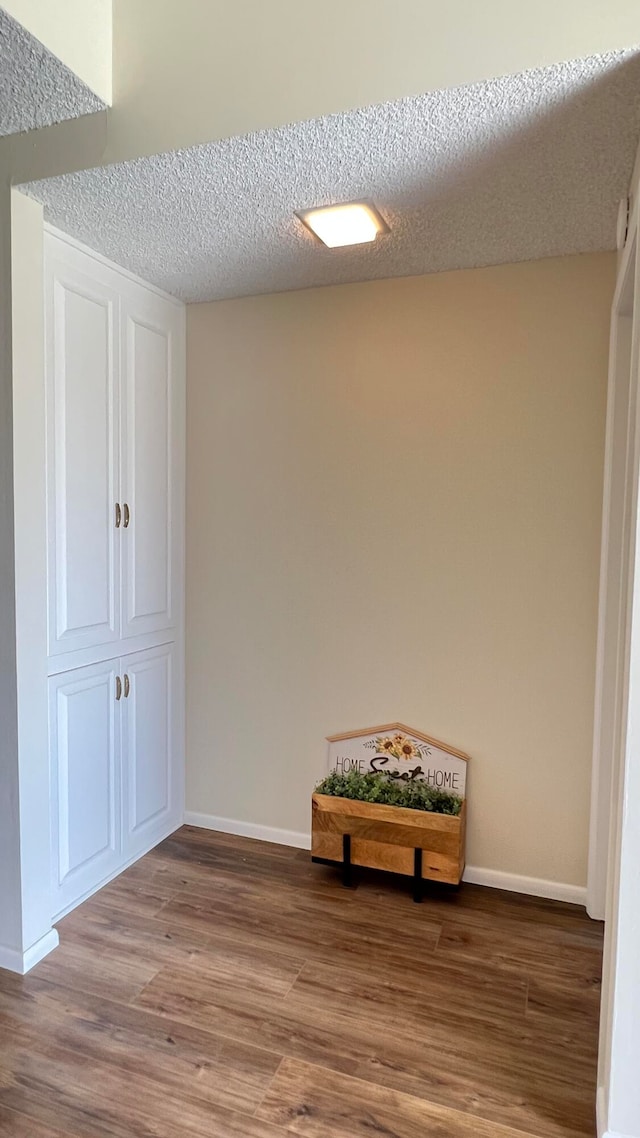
[(393, 513), (77, 31), (193, 71)]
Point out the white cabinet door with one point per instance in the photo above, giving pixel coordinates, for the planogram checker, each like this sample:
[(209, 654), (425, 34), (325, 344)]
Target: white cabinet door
[(82, 450), (151, 788), (85, 780), (151, 414)]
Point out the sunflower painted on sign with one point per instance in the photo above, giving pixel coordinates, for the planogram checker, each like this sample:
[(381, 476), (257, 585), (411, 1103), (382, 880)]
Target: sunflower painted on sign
[(408, 750), (398, 745), (386, 746)]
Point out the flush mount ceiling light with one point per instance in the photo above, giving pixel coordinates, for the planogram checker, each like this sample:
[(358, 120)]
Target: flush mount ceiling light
[(353, 223)]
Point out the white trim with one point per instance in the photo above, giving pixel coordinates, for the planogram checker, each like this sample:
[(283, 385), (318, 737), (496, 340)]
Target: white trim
[(23, 962), (294, 838), (493, 878), (601, 1113), (83, 657), (113, 265), (533, 886), (619, 1030), (600, 770), (614, 607)]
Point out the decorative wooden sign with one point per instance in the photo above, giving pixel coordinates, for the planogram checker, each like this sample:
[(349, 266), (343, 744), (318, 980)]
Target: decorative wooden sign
[(400, 752)]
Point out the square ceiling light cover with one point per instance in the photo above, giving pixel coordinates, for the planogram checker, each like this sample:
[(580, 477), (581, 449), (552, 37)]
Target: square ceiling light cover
[(351, 223)]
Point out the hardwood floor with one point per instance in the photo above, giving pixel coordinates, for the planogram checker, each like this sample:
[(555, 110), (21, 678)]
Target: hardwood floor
[(226, 987)]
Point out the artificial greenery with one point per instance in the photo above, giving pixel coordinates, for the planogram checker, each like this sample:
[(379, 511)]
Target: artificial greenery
[(415, 794)]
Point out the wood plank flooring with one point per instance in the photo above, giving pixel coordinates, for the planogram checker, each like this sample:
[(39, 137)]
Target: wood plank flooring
[(229, 988)]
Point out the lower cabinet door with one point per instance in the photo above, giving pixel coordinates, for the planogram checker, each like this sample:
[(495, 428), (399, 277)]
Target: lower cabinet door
[(150, 776), (85, 780)]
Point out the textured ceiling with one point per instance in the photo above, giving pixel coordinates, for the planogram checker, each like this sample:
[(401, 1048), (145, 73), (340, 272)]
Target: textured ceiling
[(36, 89), (528, 166)]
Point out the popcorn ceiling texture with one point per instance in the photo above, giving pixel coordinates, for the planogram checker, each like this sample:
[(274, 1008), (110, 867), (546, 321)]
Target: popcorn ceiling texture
[(36, 89), (523, 167)]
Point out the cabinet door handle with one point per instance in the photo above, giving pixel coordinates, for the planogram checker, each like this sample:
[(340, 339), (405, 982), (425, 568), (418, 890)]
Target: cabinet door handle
[(118, 515), (118, 687), (127, 686), (127, 516)]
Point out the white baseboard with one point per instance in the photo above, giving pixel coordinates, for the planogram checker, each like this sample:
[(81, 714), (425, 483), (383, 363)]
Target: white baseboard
[(22, 962), (533, 886), (248, 830), (493, 878)]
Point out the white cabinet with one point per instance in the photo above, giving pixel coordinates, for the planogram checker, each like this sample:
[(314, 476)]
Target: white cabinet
[(85, 780), (115, 445), (115, 406), (151, 774), (150, 479), (82, 449), (115, 777)]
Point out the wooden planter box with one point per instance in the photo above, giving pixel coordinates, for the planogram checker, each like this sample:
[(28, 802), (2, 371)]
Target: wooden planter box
[(422, 845)]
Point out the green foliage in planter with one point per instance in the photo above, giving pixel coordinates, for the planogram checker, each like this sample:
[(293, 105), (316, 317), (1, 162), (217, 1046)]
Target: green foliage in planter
[(414, 794)]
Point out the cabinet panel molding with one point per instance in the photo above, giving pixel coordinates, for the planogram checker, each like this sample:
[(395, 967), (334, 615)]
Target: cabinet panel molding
[(150, 792), (149, 433), (85, 779), (82, 321)]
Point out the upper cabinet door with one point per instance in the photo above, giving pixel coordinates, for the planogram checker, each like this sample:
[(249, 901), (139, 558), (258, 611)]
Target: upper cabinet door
[(152, 477), (82, 450)]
